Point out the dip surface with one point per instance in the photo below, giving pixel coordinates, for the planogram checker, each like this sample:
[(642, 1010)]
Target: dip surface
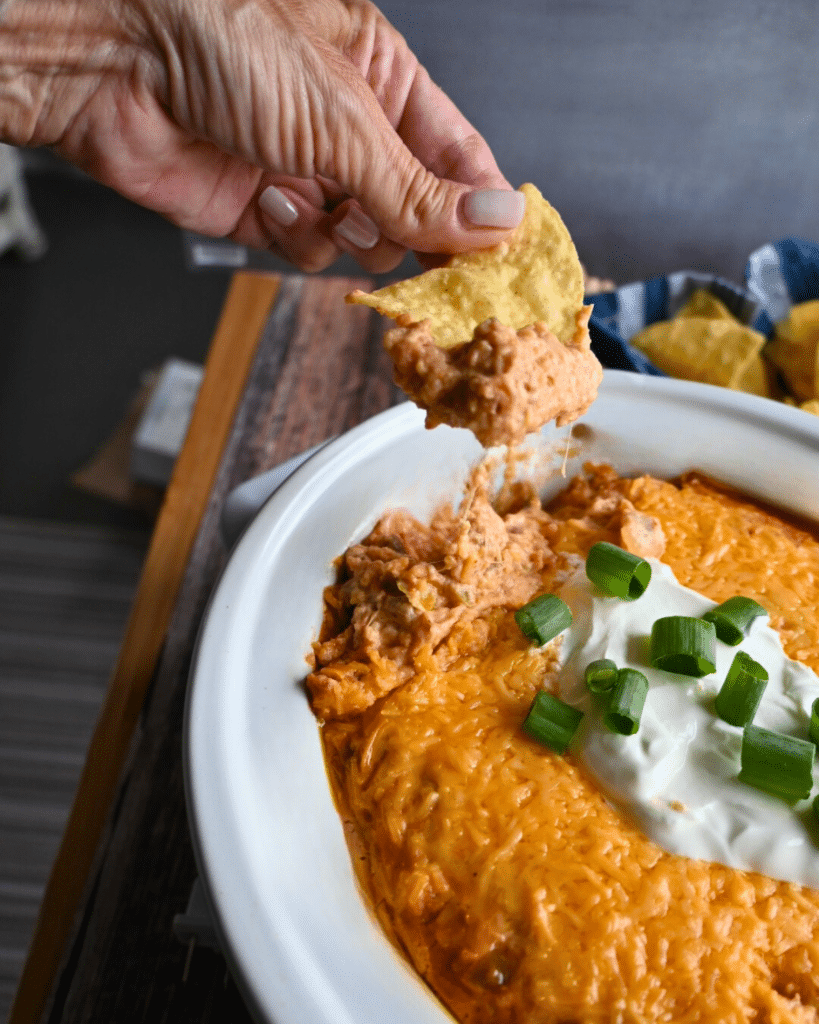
[(510, 883)]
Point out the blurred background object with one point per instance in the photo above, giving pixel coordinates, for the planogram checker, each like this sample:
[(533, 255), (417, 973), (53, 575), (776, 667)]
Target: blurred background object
[(19, 230)]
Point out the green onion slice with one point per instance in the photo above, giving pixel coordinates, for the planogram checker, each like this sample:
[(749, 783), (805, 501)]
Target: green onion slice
[(816, 807), (742, 690), (778, 764), (601, 675), (626, 703), (733, 617), (813, 729), (543, 618), (616, 572), (683, 645), (552, 722)]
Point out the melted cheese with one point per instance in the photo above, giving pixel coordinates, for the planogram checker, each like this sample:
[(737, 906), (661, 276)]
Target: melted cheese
[(498, 868)]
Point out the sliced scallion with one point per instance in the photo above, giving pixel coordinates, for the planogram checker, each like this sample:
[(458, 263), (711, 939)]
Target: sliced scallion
[(778, 764), (616, 572), (552, 722), (683, 645), (600, 675), (543, 618), (813, 728), (626, 702), (733, 617), (742, 690)]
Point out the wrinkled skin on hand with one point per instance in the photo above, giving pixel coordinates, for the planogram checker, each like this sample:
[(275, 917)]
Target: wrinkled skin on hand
[(193, 107)]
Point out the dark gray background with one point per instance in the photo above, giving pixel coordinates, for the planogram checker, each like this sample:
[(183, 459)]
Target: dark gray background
[(669, 135)]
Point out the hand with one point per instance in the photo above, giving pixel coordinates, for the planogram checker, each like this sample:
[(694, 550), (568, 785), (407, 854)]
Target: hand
[(303, 126)]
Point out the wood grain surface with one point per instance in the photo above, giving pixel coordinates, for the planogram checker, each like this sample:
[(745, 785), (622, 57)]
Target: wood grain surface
[(319, 368), (245, 311)]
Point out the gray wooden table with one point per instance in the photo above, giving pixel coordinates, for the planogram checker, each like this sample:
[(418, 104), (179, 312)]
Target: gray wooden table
[(319, 368)]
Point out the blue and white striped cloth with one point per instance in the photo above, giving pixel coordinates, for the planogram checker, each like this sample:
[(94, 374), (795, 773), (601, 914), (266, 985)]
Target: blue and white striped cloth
[(777, 276), (780, 275)]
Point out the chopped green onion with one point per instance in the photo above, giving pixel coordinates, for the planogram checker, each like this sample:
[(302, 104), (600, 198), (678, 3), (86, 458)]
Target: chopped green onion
[(816, 807), (683, 645), (778, 764), (543, 618), (733, 617), (616, 572), (600, 675), (813, 729), (552, 722), (742, 690), (626, 703)]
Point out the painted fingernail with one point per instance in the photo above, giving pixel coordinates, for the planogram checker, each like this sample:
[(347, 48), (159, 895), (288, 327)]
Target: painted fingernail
[(494, 208), (357, 228), (278, 207)]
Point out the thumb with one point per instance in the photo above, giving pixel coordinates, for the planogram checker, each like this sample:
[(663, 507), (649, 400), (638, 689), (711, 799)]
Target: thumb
[(408, 202)]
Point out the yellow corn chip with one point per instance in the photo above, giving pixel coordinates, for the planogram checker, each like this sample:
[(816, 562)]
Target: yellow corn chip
[(696, 348), (534, 275), (795, 349), (703, 303), (758, 378), (812, 405)]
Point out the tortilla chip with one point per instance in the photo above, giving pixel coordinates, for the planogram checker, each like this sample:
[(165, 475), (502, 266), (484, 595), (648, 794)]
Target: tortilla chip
[(697, 348), (703, 303), (758, 378), (812, 405), (794, 349), (534, 275)]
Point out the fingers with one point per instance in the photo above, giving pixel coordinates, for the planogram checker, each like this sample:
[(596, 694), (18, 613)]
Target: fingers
[(296, 229), (294, 224), (414, 207), (439, 135), (358, 235), (403, 150)]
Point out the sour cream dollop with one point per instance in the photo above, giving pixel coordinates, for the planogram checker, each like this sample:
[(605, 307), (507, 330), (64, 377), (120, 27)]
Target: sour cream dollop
[(677, 776)]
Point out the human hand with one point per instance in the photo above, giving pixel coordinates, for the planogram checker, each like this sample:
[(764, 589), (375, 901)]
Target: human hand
[(304, 126)]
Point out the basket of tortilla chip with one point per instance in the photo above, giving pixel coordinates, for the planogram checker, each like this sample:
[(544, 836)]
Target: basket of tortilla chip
[(688, 325), (763, 338)]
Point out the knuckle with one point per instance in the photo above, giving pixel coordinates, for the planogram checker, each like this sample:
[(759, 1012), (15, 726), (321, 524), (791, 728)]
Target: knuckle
[(465, 160), (425, 201)]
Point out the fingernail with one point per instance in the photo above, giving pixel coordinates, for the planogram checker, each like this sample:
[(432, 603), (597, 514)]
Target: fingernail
[(357, 228), (494, 208), (277, 206)]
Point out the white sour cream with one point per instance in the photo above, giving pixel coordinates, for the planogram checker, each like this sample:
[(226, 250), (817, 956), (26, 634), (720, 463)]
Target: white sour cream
[(677, 776)]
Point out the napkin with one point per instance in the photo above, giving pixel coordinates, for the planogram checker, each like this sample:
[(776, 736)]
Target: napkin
[(780, 274)]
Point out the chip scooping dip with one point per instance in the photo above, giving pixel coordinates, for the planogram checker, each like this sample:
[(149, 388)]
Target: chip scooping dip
[(496, 340)]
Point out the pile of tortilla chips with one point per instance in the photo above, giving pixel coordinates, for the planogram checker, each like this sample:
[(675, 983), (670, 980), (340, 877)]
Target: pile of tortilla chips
[(794, 350), (705, 342), (534, 275)]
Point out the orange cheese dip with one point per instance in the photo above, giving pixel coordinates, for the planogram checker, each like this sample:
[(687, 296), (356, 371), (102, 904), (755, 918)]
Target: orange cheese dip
[(497, 867), (502, 384)]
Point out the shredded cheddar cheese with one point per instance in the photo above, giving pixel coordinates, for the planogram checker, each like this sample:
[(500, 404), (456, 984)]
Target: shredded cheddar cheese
[(514, 889)]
